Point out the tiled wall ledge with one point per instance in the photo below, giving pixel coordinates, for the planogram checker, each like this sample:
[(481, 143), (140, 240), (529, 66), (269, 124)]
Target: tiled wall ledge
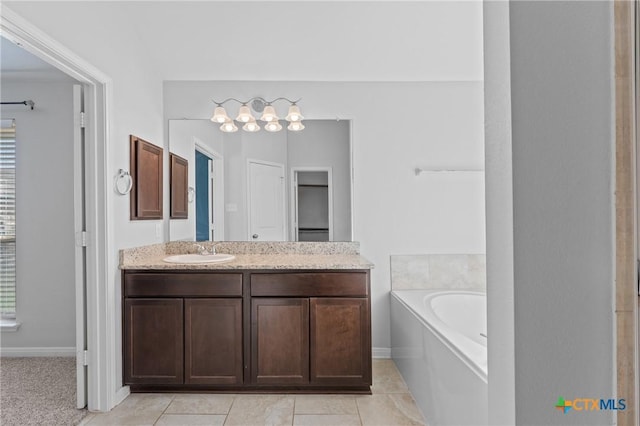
[(439, 271), (240, 247)]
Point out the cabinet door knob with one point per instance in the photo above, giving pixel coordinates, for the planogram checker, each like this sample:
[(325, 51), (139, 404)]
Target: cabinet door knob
[(254, 236)]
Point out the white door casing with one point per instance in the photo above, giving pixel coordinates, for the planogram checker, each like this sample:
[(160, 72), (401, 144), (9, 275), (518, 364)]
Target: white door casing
[(81, 238), (266, 202)]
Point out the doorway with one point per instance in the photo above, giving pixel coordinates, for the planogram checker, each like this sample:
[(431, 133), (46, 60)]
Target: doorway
[(46, 304), (312, 204), (204, 197), (100, 322)]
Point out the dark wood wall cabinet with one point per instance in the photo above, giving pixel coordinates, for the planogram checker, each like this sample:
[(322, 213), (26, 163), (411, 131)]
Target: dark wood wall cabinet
[(146, 172), (293, 331), (179, 187)]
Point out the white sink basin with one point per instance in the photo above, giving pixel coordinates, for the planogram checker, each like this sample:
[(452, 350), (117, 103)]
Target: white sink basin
[(199, 258)]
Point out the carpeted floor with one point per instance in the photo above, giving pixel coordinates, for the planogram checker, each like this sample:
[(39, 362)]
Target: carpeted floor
[(38, 391)]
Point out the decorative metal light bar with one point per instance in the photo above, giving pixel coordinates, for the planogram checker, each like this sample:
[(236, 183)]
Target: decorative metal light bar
[(249, 122)]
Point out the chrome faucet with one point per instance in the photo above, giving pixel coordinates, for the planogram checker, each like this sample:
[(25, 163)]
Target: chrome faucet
[(202, 250)]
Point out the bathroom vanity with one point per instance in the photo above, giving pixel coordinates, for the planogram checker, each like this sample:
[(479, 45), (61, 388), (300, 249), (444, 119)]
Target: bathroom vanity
[(293, 321)]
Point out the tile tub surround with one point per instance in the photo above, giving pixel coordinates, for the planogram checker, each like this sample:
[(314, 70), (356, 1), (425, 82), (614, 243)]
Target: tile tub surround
[(438, 271), (390, 404), (251, 255)]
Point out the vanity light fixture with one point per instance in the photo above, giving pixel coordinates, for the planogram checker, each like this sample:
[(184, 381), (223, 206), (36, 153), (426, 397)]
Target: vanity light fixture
[(249, 121)]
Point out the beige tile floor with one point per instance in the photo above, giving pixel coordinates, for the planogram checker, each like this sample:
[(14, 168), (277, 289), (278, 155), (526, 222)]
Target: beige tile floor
[(391, 404)]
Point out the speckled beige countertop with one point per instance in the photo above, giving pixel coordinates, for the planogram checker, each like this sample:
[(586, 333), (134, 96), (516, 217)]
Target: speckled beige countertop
[(251, 255)]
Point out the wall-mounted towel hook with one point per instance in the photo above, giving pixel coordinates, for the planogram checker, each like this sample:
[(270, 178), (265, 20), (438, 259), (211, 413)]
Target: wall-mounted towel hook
[(123, 182)]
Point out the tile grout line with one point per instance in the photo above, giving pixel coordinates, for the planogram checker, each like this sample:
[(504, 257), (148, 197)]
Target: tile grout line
[(226, 417), (355, 398), (165, 409), (293, 414)]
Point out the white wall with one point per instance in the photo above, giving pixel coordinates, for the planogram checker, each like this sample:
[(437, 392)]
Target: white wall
[(326, 143), (438, 124), (561, 74), (45, 248)]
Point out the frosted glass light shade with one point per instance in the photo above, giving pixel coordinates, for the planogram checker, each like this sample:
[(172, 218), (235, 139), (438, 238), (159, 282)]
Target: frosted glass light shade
[(269, 114), (294, 113), (229, 127), (244, 114), (295, 126), (273, 126), (251, 126), (220, 115)]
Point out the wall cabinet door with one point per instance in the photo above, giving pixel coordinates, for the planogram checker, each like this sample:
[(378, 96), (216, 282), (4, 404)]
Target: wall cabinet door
[(213, 341), (153, 345), (340, 341), (280, 341)]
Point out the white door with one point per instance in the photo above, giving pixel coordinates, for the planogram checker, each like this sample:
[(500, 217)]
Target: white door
[(79, 153), (266, 201)]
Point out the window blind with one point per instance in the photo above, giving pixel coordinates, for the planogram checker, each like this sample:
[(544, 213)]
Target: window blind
[(7, 219)]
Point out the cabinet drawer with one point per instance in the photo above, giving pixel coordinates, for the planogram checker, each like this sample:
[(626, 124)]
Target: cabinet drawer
[(182, 285), (310, 284)]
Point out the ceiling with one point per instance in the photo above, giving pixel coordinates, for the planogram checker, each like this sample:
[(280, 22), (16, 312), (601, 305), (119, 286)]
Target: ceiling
[(282, 40)]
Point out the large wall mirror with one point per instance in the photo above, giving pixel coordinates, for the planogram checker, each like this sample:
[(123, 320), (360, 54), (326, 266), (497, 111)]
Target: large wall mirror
[(281, 186)]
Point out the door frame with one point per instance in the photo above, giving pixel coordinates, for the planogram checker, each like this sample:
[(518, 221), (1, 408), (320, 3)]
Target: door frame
[(102, 393), (625, 20), (79, 196), (284, 198), (293, 198), (218, 190)]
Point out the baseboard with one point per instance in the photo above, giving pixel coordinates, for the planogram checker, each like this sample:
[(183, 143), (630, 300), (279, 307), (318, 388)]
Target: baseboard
[(121, 394), (35, 352), (381, 353)]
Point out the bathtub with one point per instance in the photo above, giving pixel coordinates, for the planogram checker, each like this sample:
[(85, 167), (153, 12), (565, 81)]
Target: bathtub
[(438, 342)]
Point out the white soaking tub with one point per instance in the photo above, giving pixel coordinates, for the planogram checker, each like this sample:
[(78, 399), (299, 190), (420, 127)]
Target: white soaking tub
[(439, 343)]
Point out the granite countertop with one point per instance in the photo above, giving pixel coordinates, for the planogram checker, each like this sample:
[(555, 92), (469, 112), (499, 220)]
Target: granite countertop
[(251, 255)]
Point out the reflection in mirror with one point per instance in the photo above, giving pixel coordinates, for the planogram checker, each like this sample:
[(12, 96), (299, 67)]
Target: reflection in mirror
[(284, 186)]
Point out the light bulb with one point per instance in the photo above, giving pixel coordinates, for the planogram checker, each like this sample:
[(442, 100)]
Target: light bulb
[(294, 113), (251, 126), (269, 114), (295, 126), (229, 127), (244, 114), (220, 115), (273, 126)]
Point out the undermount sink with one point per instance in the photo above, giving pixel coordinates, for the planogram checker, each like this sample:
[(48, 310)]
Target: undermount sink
[(199, 258)]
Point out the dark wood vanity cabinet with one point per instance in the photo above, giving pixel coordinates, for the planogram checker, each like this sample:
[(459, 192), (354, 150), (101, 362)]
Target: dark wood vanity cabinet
[(323, 340), (182, 329), (254, 330)]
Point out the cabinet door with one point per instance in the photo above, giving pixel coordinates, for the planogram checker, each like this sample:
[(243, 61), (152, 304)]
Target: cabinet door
[(213, 341), (340, 341), (146, 171), (153, 345), (279, 341)]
